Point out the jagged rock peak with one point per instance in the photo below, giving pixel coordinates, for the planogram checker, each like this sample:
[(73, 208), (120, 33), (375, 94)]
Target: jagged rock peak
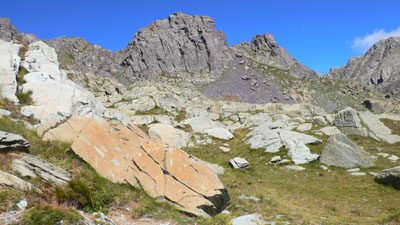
[(8, 32), (181, 43), (267, 51), (379, 67)]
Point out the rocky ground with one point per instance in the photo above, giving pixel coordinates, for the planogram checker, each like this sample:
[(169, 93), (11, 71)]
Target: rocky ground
[(252, 137)]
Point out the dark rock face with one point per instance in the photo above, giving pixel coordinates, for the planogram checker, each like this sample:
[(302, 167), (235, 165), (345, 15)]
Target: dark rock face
[(379, 67), (181, 43), (79, 56), (8, 32)]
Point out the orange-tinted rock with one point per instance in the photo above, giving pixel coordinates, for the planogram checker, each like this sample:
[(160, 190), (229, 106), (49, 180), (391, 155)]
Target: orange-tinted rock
[(126, 155)]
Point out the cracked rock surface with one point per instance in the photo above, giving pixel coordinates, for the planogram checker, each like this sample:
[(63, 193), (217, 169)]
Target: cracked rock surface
[(126, 155)]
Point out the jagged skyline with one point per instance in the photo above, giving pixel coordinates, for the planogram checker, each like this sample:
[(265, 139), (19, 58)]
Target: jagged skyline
[(320, 35)]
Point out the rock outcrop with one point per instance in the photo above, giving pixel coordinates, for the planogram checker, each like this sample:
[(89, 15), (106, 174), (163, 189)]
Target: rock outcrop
[(389, 177), (342, 152), (179, 44), (11, 181), (169, 135), (9, 141), (9, 66), (126, 155), (8, 33), (364, 124), (379, 67), (53, 94), (268, 52), (32, 166)]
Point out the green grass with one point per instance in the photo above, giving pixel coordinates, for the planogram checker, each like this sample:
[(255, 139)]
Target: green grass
[(303, 197), (46, 215)]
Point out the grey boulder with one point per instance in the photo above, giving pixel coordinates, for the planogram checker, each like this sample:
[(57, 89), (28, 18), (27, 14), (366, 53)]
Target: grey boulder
[(251, 219), (342, 152)]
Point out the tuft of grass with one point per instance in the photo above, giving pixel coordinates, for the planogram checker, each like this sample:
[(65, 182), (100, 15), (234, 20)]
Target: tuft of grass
[(46, 215)]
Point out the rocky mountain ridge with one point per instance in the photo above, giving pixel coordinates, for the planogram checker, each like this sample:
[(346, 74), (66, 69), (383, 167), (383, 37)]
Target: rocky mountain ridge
[(379, 68)]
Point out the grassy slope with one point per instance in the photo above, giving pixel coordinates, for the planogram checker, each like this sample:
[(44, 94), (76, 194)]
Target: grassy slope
[(306, 197)]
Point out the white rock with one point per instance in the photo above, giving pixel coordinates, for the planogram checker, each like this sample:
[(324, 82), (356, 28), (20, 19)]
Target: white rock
[(224, 149), (22, 205), (239, 163), (4, 112), (200, 124), (323, 167), (219, 132), (252, 219), (373, 174), (54, 96), (275, 159), (393, 158), (329, 131), (294, 167), (304, 127), (299, 152), (353, 170), (384, 155), (9, 65), (358, 174)]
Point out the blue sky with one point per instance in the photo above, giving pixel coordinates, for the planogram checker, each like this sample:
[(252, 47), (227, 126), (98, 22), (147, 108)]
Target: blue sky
[(320, 34)]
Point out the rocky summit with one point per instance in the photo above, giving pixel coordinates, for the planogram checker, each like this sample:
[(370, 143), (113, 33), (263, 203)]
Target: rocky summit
[(180, 128)]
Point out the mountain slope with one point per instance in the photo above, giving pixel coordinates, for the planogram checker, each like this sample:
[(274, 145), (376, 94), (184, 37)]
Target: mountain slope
[(379, 67)]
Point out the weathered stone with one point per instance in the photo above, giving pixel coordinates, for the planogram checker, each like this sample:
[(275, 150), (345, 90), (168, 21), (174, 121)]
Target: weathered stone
[(329, 131), (9, 141), (239, 163), (342, 152), (201, 124), (299, 152), (348, 122), (263, 137), (389, 177), (33, 166), (127, 155), (304, 127), (219, 132), (251, 219), (12, 181), (169, 135), (4, 112), (319, 121), (379, 129), (9, 66), (54, 96), (294, 167)]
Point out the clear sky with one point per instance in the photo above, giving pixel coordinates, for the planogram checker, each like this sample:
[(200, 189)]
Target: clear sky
[(320, 34)]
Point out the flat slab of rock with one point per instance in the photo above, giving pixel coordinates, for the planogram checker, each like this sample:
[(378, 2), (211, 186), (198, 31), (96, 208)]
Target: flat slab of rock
[(342, 152), (304, 127), (33, 166), (12, 181), (299, 152), (328, 131), (389, 177), (251, 219), (169, 135), (239, 163), (126, 155), (9, 141), (219, 132), (201, 124)]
